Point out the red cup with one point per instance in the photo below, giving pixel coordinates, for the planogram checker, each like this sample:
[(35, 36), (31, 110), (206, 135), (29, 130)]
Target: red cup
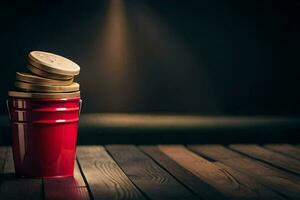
[(44, 135)]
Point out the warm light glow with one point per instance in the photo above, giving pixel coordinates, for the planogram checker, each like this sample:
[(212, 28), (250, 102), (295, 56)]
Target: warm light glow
[(114, 57), (114, 44), (142, 39)]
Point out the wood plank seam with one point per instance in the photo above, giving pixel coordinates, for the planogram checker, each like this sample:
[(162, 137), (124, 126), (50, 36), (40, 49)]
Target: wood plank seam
[(219, 162), (141, 191), (210, 159), (276, 195), (150, 177), (266, 161), (66, 188), (182, 183), (170, 173), (281, 182), (12, 187), (285, 149), (182, 175), (230, 182), (84, 178), (105, 178)]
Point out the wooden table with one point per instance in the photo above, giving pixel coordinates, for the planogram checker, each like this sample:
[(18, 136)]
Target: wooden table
[(166, 172)]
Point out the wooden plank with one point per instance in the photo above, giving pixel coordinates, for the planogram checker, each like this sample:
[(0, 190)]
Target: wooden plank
[(72, 188), (278, 180), (199, 187), (269, 156), (154, 181), (231, 183), (13, 188), (261, 191), (66, 192), (286, 149), (105, 179)]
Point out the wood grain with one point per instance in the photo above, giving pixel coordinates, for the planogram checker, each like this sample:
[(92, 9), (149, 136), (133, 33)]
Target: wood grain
[(230, 182), (269, 156), (199, 187), (286, 149), (261, 192), (72, 188), (13, 188), (106, 180), (278, 180), (154, 181)]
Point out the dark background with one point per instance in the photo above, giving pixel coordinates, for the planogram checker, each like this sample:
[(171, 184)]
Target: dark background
[(194, 57)]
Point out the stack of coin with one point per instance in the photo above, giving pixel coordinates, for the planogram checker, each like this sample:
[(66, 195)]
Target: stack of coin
[(51, 76)]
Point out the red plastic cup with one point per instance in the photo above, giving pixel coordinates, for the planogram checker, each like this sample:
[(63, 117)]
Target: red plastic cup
[(44, 135)]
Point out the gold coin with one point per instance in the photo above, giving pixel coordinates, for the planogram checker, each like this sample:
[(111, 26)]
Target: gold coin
[(30, 78), (43, 95), (53, 63), (47, 88), (48, 75)]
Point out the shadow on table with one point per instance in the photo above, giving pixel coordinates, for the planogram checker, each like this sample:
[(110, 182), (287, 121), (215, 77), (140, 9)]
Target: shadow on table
[(12, 187)]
